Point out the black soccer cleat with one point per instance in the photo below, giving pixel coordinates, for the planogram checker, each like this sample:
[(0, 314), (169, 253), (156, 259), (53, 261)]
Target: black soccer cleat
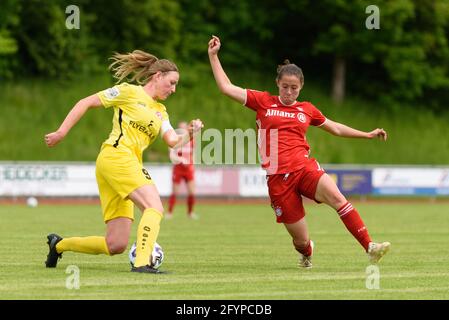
[(53, 255), (145, 269)]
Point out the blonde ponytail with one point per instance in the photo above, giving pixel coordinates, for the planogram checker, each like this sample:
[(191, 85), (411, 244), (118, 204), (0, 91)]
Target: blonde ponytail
[(138, 66)]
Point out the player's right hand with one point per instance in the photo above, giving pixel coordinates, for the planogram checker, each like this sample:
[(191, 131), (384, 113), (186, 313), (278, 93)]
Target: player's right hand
[(214, 45), (53, 138), (195, 126), (379, 133)]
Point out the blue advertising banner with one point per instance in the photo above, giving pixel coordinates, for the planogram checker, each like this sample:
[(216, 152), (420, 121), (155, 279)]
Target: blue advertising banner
[(352, 182)]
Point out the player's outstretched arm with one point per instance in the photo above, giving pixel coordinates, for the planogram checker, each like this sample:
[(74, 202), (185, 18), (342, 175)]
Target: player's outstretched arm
[(175, 140), (224, 84), (80, 108), (341, 130)]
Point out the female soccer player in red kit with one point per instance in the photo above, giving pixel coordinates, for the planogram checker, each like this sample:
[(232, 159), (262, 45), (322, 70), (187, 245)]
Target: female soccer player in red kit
[(183, 169), (282, 124)]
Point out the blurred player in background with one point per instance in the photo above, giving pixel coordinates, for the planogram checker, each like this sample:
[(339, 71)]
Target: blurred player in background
[(282, 124), (183, 170), (122, 180)]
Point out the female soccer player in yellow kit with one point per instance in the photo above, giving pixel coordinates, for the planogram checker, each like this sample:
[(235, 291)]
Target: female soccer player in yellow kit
[(122, 180)]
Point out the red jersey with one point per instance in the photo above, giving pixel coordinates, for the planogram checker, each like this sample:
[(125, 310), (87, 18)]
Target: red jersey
[(183, 157), (283, 147)]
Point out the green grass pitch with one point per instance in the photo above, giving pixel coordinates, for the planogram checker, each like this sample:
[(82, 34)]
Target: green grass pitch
[(232, 252)]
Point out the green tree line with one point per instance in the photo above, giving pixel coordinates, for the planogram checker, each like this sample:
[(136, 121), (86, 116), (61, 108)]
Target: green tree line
[(402, 61)]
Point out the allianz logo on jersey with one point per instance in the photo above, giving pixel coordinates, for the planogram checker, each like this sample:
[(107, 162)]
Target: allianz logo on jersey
[(277, 113)]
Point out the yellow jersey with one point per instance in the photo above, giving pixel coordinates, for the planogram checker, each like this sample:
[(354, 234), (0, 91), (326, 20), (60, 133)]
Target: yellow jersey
[(137, 117)]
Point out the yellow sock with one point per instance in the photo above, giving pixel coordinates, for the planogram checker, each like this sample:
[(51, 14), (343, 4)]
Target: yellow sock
[(147, 233), (91, 245)]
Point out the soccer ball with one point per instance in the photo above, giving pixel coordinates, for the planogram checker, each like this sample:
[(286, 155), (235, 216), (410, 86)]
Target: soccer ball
[(32, 202), (156, 258)]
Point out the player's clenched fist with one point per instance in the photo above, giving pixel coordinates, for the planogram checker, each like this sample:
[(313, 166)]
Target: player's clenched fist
[(53, 138)]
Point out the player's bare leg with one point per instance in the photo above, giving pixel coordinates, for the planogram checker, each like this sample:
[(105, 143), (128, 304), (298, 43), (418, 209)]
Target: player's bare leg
[(117, 234), (301, 241)]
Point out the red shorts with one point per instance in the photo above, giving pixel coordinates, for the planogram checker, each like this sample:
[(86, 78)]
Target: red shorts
[(286, 190), (181, 172)]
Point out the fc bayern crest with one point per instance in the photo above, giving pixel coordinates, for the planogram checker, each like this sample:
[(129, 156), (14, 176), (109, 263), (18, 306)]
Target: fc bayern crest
[(278, 211), (301, 117)]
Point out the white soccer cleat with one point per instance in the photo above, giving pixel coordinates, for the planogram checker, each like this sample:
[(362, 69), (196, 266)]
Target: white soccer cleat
[(193, 216), (377, 250), (304, 261)]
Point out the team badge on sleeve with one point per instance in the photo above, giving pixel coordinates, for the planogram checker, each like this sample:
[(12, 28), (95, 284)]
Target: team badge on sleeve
[(111, 93)]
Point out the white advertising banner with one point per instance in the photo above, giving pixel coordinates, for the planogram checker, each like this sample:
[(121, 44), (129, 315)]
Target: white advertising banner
[(47, 180), (64, 180), (253, 182), (78, 180), (161, 175), (411, 181)]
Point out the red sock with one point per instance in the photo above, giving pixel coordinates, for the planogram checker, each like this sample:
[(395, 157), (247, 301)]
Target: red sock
[(307, 250), (354, 223), (171, 203), (190, 203)]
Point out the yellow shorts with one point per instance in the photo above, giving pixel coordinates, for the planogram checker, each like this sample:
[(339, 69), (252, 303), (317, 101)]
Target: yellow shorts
[(119, 173)]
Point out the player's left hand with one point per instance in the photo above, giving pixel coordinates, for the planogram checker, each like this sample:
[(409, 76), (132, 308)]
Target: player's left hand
[(214, 45), (380, 133)]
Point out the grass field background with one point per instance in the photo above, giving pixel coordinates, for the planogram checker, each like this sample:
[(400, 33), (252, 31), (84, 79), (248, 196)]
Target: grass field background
[(232, 252)]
